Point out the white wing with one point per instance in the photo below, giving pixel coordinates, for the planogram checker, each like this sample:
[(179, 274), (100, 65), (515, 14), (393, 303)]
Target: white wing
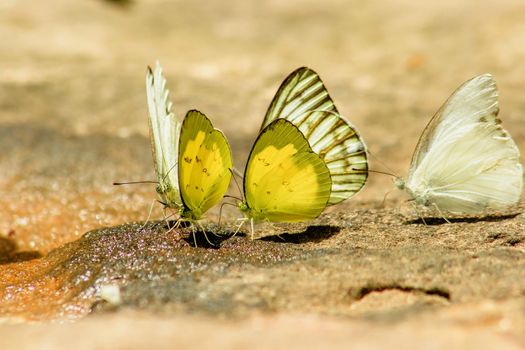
[(164, 137), (304, 100), (465, 162)]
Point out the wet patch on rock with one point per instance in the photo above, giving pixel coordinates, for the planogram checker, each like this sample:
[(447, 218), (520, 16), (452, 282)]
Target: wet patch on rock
[(377, 267)]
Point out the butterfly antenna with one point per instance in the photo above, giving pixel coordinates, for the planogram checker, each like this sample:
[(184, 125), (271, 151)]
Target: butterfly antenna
[(237, 172), (392, 173), (362, 171), (169, 170), (222, 205), (134, 183), (234, 197), (233, 171)]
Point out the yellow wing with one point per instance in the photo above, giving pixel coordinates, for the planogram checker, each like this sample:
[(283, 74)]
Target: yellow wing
[(284, 179), (205, 164)]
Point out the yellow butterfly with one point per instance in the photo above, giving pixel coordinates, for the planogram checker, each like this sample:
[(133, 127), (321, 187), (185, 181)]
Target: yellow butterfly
[(192, 160), (306, 156), (303, 99), (284, 180)]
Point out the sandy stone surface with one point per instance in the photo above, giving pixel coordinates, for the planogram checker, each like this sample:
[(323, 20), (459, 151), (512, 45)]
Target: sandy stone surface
[(79, 267)]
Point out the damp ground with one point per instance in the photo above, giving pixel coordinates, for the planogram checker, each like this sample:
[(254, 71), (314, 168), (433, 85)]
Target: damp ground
[(79, 256)]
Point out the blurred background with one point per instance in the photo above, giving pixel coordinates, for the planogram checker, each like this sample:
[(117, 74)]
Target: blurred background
[(72, 97)]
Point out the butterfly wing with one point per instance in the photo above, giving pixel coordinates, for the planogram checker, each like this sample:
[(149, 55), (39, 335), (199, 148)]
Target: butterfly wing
[(164, 136), (304, 100), (284, 179), (465, 162), (205, 164)]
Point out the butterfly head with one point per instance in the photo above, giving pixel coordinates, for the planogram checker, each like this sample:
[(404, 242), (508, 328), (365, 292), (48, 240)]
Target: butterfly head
[(419, 194), (399, 183), (250, 213), (189, 215), (243, 207)]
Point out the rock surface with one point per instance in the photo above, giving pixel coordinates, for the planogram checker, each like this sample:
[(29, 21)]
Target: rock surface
[(366, 273)]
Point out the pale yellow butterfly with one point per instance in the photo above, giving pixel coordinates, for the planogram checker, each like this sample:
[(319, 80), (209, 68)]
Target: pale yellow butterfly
[(465, 162)]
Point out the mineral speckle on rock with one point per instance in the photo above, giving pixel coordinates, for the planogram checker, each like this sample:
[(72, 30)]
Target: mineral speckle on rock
[(76, 251)]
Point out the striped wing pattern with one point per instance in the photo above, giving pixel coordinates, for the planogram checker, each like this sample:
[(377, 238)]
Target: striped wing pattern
[(164, 137), (304, 100)]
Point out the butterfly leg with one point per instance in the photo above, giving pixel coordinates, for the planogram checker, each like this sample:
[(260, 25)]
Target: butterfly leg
[(242, 220), (206, 236), (220, 214), (253, 229), (418, 214), (177, 225), (441, 213), (279, 234), (149, 216), (166, 217), (220, 210), (280, 237), (384, 199), (194, 235)]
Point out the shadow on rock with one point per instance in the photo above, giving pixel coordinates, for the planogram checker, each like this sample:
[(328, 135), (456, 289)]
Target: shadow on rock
[(311, 234), (9, 253), (431, 221), (207, 239)]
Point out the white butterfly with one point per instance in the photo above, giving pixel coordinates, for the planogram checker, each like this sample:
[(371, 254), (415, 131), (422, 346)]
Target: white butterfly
[(165, 131), (465, 162), (192, 159)]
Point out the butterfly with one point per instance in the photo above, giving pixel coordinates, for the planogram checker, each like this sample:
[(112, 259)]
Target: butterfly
[(192, 159), (303, 120), (284, 180), (303, 100), (465, 162)]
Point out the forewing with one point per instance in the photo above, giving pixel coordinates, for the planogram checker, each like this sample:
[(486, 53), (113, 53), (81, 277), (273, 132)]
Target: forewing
[(473, 100), (205, 163), (164, 136), (304, 100), (285, 181), (301, 92), (467, 161)]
